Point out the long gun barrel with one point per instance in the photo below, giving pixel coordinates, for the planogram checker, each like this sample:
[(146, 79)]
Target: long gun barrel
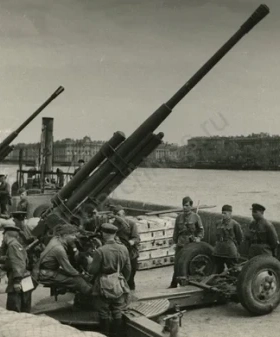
[(142, 142), (107, 170), (5, 147)]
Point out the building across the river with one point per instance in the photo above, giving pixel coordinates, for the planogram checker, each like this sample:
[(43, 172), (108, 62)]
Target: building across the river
[(256, 151), (69, 151)]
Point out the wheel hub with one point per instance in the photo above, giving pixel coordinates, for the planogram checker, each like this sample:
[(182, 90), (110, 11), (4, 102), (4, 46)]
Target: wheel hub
[(265, 285), (201, 265)]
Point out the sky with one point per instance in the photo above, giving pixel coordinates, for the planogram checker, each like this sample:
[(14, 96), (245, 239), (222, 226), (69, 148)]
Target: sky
[(119, 60)]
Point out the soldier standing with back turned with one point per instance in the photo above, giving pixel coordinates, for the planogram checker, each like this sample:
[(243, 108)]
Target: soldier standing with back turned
[(110, 266), (262, 236), (128, 235), (188, 228)]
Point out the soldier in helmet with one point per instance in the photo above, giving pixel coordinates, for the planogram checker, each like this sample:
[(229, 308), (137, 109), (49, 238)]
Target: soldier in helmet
[(16, 267), (110, 266), (262, 236), (188, 228), (24, 234), (229, 236)]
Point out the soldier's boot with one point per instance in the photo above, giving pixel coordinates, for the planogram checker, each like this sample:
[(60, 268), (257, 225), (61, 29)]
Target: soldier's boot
[(105, 326), (117, 328), (174, 282)]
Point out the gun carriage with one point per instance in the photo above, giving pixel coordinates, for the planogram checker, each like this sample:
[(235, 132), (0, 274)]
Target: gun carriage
[(255, 283)]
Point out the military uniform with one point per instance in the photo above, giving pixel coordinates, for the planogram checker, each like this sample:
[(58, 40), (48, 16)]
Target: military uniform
[(56, 269), (5, 197), (188, 228), (23, 205), (229, 236), (26, 236), (81, 161), (16, 267), (262, 236), (127, 230), (112, 257)]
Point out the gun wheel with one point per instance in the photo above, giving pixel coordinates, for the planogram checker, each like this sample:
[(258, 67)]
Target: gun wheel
[(201, 265), (258, 285), (196, 260)]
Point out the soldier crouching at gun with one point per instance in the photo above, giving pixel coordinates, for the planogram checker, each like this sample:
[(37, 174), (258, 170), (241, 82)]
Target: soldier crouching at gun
[(54, 267), (188, 228)]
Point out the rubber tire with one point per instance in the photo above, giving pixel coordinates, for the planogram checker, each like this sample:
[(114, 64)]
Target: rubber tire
[(188, 253), (244, 292), (40, 210)]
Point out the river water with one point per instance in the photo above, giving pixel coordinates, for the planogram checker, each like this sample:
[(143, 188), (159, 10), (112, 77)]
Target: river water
[(212, 187)]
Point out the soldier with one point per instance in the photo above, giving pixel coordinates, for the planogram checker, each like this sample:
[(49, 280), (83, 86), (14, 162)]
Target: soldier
[(54, 265), (262, 236), (5, 196), (24, 234), (110, 266), (188, 228), (129, 236), (60, 178), (90, 219), (19, 218), (16, 267), (229, 236), (81, 163), (23, 204)]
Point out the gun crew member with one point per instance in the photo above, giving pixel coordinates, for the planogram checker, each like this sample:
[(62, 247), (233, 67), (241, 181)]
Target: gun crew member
[(81, 163), (188, 228), (23, 204), (5, 196), (129, 236), (110, 266), (24, 234), (229, 236), (262, 236), (19, 218), (54, 265), (16, 267)]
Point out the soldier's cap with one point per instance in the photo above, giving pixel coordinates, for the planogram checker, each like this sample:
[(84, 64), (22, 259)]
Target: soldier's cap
[(81, 161), (116, 208), (21, 190), (11, 228), (187, 199), (109, 228), (18, 214), (227, 208), (258, 207), (2, 175)]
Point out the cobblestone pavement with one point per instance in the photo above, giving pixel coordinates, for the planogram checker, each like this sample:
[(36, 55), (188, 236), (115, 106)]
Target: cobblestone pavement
[(229, 320)]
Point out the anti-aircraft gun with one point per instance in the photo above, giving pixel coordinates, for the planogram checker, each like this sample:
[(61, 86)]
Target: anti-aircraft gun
[(5, 145), (119, 157)]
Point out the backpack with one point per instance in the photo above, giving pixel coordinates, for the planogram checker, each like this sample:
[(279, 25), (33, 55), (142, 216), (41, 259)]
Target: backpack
[(113, 286)]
